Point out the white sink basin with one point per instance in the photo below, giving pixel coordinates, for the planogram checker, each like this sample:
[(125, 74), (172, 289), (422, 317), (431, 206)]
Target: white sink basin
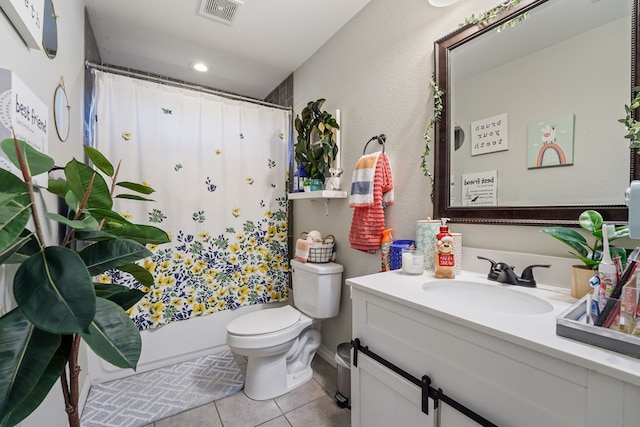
[(484, 297)]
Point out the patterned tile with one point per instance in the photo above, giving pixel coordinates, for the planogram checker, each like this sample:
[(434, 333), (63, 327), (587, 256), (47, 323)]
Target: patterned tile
[(143, 398)]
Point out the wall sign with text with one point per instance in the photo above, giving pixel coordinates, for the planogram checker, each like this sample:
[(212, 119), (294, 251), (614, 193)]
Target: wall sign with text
[(26, 17), (490, 134)]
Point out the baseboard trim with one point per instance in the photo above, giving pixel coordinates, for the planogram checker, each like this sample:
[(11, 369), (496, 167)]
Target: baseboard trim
[(327, 355)]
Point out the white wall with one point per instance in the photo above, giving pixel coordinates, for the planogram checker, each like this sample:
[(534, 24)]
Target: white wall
[(376, 70), (42, 75)]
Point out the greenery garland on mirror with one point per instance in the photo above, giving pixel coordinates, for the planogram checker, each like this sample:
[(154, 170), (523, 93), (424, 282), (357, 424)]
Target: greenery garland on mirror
[(437, 115), (485, 17), (629, 121)]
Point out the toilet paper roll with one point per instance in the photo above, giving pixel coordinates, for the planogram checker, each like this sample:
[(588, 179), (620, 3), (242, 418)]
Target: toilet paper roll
[(426, 232), (457, 253)]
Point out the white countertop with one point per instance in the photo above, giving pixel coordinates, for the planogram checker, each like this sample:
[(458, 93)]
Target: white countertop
[(534, 331)]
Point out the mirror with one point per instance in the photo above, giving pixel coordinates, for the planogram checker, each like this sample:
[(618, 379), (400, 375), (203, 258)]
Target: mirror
[(61, 113), (542, 140), (50, 30)]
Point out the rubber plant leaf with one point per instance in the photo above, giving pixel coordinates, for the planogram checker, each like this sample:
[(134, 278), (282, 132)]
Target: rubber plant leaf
[(99, 160), (37, 161), (121, 295), (93, 236), (49, 377), (7, 254), (113, 336), (54, 290), (139, 188), (107, 254), (145, 234), (87, 223), (79, 176), (134, 197), (24, 356), (15, 215), (139, 273)]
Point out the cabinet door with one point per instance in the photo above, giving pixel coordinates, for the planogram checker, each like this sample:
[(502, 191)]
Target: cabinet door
[(383, 398)]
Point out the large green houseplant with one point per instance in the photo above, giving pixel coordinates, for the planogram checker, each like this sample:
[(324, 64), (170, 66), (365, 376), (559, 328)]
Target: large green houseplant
[(58, 304), (316, 147)]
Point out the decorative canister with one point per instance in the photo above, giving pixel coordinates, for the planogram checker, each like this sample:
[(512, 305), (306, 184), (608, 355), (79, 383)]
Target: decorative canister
[(457, 253), (426, 231)]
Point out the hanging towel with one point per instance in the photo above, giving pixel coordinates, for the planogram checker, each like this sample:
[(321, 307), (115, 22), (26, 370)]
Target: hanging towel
[(368, 220), (302, 250), (362, 182)]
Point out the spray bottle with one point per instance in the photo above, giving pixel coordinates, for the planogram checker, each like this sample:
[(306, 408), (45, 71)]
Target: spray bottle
[(385, 249)]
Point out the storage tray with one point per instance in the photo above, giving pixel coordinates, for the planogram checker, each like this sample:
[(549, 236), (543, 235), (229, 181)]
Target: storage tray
[(572, 324)]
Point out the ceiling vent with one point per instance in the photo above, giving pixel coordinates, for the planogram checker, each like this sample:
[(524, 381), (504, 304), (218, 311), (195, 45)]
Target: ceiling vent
[(220, 10)]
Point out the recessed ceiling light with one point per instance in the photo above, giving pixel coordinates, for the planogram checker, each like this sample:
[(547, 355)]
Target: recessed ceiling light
[(200, 66), (442, 3)]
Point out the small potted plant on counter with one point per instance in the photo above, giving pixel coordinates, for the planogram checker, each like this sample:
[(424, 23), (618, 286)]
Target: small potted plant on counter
[(316, 146), (589, 254)]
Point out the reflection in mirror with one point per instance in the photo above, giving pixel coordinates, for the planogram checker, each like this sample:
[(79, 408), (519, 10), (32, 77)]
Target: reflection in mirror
[(61, 113), (539, 103), (50, 30)]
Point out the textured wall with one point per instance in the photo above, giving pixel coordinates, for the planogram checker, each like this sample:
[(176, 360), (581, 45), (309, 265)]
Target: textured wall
[(376, 70)]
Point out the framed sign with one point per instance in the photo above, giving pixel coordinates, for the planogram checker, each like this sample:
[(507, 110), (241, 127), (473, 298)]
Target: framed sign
[(490, 134), (27, 17)]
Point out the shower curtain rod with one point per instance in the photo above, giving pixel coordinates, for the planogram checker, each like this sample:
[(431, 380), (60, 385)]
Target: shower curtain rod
[(185, 85)]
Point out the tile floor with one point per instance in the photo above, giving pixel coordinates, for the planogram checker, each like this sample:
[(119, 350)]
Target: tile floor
[(311, 405)]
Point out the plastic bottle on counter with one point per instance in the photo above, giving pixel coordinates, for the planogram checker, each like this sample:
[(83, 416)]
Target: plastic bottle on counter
[(385, 249)]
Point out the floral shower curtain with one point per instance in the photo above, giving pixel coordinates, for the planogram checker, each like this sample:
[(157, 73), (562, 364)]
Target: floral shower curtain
[(219, 168)]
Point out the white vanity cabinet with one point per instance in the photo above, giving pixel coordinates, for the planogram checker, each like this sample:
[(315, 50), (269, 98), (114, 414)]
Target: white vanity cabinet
[(500, 376)]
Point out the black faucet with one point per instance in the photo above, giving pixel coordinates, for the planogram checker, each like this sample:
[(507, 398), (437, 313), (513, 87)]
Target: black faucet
[(504, 273)]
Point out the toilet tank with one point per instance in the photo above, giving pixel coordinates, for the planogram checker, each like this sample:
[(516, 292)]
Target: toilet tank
[(316, 288)]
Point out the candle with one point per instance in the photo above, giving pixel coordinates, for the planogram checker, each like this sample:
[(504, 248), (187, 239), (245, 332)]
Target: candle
[(412, 261)]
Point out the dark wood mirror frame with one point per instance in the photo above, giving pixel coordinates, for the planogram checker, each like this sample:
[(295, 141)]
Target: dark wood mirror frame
[(518, 215)]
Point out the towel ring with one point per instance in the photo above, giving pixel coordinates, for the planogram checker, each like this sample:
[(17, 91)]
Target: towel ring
[(381, 140)]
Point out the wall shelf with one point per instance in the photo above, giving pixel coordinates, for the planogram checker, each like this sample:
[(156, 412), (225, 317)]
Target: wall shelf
[(320, 195)]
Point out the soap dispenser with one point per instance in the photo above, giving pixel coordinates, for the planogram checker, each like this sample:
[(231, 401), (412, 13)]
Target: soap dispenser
[(444, 258)]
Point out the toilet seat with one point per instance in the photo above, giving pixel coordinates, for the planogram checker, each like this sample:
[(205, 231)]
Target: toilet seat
[(266, 321), (270, 327)]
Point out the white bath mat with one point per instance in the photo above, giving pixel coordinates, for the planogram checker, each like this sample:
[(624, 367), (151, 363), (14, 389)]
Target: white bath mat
[(141, 399)]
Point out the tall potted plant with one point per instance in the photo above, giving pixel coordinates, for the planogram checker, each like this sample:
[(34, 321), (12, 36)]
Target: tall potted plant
[(316, 146), (589, 254), (58, 305)]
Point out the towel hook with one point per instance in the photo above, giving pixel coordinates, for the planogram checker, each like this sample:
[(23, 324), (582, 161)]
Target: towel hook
[(381, 140)]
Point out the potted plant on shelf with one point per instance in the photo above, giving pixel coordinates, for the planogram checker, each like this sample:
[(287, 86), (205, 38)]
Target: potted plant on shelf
[(316, 146), (58, 303), (589, 254)]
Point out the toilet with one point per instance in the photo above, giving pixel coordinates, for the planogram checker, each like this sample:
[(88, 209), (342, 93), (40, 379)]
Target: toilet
[(280, 343)]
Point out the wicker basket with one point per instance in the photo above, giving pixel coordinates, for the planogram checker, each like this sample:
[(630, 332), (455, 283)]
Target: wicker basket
[(320, 252)]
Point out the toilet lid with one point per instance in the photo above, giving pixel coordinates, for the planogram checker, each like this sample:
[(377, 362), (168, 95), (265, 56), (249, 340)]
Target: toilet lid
[(264, 321)]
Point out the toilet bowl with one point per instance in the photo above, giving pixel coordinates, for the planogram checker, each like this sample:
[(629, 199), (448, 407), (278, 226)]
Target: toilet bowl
[(280, 343)]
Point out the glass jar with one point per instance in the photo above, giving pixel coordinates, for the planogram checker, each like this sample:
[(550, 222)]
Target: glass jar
[(412, 261), (316, 185)]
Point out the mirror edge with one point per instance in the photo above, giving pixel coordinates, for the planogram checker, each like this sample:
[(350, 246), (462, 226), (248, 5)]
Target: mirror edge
[(514, 215)]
